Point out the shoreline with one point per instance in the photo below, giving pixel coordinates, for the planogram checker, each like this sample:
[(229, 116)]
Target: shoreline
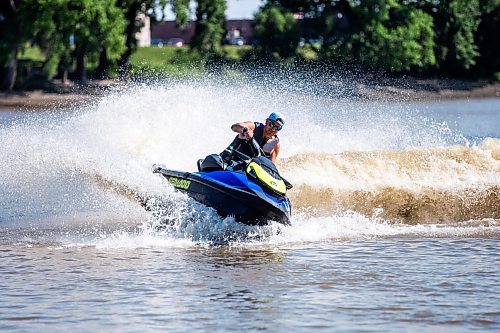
[(434, 90), (416, 90), (38, 101)]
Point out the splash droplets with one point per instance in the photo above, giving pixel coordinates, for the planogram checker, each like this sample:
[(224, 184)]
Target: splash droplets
[(95, 161)]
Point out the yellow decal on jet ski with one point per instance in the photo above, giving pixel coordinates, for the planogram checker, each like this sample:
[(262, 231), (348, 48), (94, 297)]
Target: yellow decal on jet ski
[(274, 184), (179, 182)]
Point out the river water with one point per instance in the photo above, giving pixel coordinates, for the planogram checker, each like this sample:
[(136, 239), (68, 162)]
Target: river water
[(395, 227)]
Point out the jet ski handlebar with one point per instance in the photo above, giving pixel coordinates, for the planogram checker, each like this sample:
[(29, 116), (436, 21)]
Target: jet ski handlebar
[(255, 147), (240, 155)]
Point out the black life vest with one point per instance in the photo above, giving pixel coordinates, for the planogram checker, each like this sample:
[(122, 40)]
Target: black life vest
[(258, 134), (245, 147)]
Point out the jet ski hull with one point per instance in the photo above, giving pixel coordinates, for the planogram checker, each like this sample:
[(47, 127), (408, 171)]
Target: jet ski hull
[(231, 194)]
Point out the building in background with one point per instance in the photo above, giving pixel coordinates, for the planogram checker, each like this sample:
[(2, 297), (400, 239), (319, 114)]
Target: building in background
[(238, 32)]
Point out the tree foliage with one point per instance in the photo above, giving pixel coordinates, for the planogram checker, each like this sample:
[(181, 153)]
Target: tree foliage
[(95, 26), (99, 29), (181, 11), (397, 38), (210, 29), (487, 37), (17, 25), (397, 35), (454, 37), (276, 31), (456, 24)]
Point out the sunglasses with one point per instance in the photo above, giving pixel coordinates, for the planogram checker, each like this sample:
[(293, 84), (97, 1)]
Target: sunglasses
[(275, 126)]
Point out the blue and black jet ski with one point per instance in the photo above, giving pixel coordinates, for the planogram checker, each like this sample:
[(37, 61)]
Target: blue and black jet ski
[(250, 189)]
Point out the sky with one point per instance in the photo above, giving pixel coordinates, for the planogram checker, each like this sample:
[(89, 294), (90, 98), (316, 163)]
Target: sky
[(242, 9), (236, 9)]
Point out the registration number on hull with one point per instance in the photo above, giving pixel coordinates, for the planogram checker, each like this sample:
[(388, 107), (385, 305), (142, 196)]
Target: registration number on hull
[(179, 183)]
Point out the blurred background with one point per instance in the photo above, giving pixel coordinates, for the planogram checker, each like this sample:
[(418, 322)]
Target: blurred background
[(53, 44)]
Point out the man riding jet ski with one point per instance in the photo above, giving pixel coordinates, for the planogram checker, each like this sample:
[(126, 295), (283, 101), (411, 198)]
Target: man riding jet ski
[(266, 136), (242, 181)]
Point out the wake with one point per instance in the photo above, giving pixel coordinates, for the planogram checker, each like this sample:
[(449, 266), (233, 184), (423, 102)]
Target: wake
[(424, 185)]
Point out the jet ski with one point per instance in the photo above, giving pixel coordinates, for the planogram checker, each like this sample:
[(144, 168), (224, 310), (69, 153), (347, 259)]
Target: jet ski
[(248, 188)]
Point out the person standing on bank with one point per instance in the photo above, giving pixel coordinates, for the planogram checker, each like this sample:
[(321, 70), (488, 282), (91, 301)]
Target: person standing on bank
[(264, 134)]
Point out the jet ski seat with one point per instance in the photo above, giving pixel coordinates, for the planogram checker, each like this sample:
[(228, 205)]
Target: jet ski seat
[(212, 162)]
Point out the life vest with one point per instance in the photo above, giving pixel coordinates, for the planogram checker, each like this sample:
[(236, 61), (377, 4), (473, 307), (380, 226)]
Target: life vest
[(258, 135), (246, 148)]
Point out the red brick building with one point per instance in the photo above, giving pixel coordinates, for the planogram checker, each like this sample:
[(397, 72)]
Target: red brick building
[(167, 30)]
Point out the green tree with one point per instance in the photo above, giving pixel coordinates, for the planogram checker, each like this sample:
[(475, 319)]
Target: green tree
[(456, 22), (99, 28), (17, 28), (210, 30), (54, 27), (276, 31), (132, 9), (378, 33), (487, 38), (181, 11), (44, 23), (393, 37), (10, 27)]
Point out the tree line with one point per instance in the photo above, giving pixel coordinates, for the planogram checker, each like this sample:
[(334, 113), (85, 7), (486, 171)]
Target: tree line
[(429, 37), (449, 37)]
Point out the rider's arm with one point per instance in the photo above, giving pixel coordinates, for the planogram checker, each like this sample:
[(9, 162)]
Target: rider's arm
[(239, 128), (274, 153)]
